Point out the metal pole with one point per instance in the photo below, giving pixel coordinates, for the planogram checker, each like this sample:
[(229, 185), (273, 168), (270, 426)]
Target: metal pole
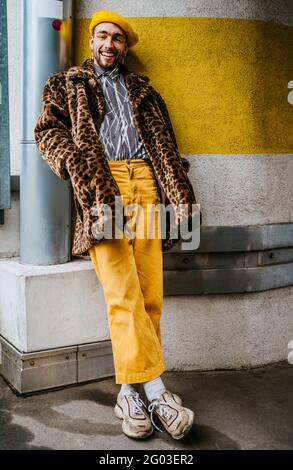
[(45, 200)]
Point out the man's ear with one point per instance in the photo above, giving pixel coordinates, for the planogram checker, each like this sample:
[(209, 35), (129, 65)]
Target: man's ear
[(91, 43)]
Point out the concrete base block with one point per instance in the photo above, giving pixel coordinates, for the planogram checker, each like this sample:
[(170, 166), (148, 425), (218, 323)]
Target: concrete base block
[(39, 370), (49, 307), (54, 327), (94, 361), (43, 370)]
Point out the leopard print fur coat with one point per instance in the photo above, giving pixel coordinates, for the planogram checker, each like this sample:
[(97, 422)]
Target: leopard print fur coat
[(66, 134)]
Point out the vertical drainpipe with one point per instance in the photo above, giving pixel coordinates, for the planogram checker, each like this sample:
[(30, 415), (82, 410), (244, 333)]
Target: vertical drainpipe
[(45, 200)]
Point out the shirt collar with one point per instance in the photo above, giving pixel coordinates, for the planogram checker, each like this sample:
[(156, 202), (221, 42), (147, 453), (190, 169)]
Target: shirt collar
[(113, 74)]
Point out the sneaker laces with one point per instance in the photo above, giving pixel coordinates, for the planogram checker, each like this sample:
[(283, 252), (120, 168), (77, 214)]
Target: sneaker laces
[(137, 402), (163, 409)]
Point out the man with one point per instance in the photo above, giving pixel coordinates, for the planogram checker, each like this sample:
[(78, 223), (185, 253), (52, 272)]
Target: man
[(109, 131)]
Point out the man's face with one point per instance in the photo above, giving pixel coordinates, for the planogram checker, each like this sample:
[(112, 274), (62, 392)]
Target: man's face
[(108, 45)]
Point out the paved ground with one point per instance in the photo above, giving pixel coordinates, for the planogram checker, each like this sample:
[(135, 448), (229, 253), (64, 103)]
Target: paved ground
[(249, 409)]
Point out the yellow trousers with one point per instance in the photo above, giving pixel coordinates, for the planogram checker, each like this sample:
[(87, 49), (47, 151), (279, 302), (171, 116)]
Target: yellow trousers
[(131, 273)]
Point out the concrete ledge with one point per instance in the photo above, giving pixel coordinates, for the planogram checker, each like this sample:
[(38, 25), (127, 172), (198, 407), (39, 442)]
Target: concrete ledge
[(47, 307)]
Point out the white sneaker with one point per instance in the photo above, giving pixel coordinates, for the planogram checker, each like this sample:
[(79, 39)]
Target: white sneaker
[(132, 410), (176, 419)]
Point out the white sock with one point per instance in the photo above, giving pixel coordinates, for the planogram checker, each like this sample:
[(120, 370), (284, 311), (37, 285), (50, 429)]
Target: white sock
[(126, 389), (154, 388)]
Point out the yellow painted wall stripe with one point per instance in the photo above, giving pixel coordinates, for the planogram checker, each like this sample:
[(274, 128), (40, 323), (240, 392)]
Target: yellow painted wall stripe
[(224, 80)]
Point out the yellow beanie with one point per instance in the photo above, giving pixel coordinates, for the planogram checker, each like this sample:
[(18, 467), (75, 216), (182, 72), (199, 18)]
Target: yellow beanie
[(104, 16)]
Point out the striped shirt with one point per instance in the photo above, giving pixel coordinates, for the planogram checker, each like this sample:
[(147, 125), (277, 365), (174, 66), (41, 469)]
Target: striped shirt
[(118, 133)]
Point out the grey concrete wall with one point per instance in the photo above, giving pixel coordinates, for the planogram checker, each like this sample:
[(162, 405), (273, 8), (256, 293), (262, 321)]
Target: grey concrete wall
[(9, 232), (14, 67), (227, 331), (243, 189), (279, 11)]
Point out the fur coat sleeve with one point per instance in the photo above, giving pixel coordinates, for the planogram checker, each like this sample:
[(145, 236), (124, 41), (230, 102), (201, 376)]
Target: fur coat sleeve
[(52, 130), (166, 117)]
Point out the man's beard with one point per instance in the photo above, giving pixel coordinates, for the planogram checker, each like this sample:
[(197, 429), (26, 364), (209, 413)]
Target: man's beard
[(102, 62)]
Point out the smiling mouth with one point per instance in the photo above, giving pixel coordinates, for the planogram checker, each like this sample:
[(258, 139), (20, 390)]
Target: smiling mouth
[(108, 55)]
